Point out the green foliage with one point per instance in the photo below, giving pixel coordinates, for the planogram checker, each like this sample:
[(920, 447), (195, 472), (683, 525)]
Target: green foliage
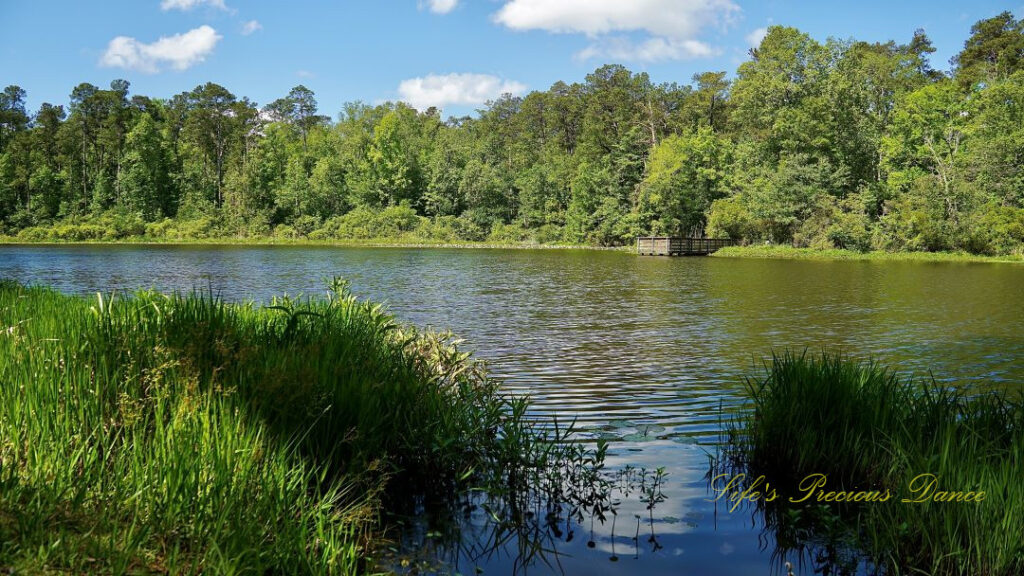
[(835, 224), (684, 176), (997, 229), (366, 224), (828, 144), (142, 181), (729, 218), (994, 51)]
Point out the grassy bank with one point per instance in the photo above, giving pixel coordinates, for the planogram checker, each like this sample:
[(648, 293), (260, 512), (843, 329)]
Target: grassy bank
[(867, 430), (790, 253), (181, 434), (352, 243)]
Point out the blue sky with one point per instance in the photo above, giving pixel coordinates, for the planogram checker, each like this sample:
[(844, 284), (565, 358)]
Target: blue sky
[(451, 53)]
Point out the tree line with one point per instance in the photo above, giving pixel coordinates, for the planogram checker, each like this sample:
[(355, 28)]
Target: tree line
[(843, 144)]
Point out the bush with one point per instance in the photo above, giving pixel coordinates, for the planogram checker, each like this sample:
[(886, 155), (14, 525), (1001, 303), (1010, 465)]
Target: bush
[(995, 229), (305, 225), (911, 224), (259, 225), (34, 234), (122, 225), (199, 228), (729, 218), (80, 232), (440, 229), (548, 234), (160, 229), (365, 224), (508, 233), (834, 224), (285, 232)]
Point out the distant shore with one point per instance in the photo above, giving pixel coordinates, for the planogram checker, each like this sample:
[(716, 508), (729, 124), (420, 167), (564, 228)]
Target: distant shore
[(790, 253), (341, 243), (780, 252)]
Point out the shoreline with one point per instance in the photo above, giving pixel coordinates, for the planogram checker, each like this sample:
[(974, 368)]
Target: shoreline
[(375, 243), (775, 252), (790, 253)]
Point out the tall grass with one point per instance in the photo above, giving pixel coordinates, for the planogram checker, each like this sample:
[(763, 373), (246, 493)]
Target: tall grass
[(181, 434), (867, 429)]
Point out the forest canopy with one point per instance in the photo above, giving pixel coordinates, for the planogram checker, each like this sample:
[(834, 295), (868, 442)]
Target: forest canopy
[(841, 144)]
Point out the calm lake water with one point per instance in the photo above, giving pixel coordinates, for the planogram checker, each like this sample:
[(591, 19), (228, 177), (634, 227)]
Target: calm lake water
[(646, 350)]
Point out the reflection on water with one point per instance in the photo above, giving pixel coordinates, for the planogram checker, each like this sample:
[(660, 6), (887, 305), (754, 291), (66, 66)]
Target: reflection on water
[(645, 351)]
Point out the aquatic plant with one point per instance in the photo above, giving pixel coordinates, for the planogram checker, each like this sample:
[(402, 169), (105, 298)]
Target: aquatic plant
[(867, 429)]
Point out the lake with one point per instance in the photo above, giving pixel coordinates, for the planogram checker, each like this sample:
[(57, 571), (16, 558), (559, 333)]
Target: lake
[(645, 351)]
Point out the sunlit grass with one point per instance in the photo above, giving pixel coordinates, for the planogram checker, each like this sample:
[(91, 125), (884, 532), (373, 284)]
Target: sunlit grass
[(181, 434)]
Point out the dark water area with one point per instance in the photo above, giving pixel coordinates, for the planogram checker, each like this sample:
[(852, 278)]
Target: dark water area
[(647, 352)]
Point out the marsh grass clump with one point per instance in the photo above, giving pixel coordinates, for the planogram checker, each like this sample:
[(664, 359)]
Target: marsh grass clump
[(183, 434), (867, 429)]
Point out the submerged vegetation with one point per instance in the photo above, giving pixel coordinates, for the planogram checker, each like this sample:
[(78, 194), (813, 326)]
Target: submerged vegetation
[(867, 430), (817, 143), (182, 434)]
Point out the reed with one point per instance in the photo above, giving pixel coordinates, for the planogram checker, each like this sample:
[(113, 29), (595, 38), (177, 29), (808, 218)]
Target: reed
[(182, 434), (868, 429)]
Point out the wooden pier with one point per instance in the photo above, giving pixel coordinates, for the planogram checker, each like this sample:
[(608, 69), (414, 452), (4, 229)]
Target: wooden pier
[(679, 246)]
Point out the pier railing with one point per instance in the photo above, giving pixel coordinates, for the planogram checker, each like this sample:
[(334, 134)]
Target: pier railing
[(679, 246)]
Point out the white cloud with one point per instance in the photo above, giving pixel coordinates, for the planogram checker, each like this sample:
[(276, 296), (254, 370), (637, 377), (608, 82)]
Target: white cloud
[(673, 27), (755, 37), (190, 4), (178, 52), (650, 50), (460, 89), (441, 6), (305, 74), (251, 26)]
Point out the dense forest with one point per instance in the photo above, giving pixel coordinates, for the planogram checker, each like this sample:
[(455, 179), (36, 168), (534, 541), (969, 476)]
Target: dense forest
[(841, 144)]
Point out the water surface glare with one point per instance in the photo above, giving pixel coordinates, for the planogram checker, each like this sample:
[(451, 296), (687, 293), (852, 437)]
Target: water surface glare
[(621, 343)]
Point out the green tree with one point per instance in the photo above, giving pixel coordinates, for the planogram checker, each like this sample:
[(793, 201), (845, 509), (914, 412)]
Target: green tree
[(13, 117), (298, 109), (709, 104), (994, 51), (779, 94), (928, 139), (445, 166), (685, 175), (996, 156), (143, 179), (211, 128)]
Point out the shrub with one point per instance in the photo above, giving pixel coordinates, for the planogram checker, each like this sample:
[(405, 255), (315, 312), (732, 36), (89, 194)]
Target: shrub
[(364, 223), (304, 225), (729, 218), (508, 233), (911, 224), (34, 234), (285, 231), (79, 232), (160, 229), (548, 234), (995, 229)]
